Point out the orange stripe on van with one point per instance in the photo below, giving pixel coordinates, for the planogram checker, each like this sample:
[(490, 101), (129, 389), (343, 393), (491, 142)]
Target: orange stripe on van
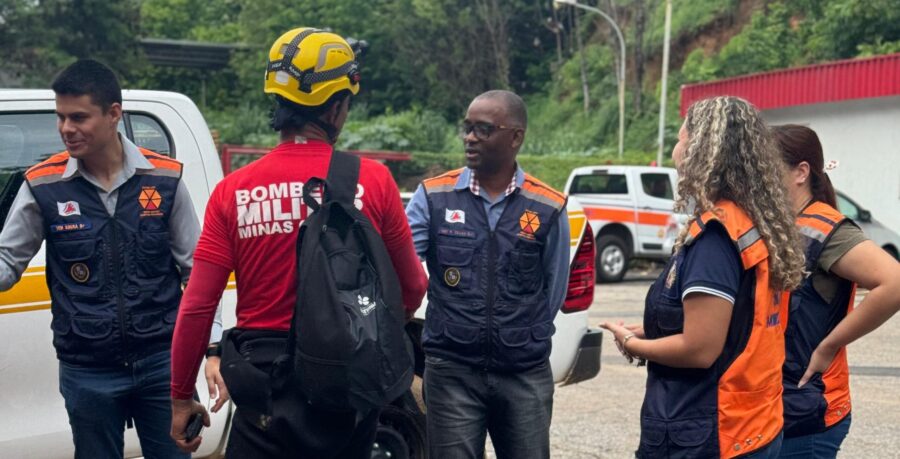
[(622, 216)]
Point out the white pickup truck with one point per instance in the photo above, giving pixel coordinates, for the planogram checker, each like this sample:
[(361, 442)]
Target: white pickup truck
[(34, 422), (629, 209)]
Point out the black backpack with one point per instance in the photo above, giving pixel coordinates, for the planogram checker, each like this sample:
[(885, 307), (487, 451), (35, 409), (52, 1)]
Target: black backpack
[(347, 341)]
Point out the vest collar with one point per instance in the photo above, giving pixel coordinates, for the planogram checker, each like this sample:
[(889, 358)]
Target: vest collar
[(465, 177), (134, 161)]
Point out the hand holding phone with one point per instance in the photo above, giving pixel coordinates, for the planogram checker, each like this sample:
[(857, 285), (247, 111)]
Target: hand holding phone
[(195, 424)]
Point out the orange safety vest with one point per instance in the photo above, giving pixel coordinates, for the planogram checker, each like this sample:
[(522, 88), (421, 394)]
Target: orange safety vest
[(734, 407), (825, 399)]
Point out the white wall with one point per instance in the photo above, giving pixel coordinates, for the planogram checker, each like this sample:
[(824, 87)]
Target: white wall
[(864, 135)]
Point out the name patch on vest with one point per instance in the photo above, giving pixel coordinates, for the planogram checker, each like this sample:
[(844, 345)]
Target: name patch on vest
[(456, 233), (80, 272), (66, 227), (150, 200)]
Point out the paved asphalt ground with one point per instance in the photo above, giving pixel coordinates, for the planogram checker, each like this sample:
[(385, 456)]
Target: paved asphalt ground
[(599, 418)]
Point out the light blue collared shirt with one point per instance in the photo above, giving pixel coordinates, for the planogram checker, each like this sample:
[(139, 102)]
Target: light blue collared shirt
[(556, 255)]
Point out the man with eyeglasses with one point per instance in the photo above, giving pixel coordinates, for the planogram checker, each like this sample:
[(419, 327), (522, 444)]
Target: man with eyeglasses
[(496, 242)]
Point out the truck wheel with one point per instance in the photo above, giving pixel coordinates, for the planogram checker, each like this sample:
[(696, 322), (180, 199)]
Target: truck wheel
[(612, 258), (401, 428)]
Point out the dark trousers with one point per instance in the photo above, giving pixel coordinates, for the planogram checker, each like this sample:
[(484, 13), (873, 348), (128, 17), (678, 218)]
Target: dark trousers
[(465, 403), (822, 445), (100, 400), (288, 427), (769, 451)]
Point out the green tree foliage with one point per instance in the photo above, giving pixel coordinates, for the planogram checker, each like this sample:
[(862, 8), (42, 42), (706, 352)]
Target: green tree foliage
[(39, 37), (768, 42), (428, 58), (846, 25), (791, 33)]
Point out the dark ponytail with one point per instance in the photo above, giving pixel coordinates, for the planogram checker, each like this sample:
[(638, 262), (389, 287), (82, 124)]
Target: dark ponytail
[(799, 144)]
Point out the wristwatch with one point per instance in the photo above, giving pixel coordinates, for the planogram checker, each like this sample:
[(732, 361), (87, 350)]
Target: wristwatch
[(214, 350)]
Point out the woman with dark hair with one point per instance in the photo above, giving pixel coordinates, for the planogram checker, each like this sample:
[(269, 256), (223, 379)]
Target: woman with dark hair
[(821, 319), (711, 330)]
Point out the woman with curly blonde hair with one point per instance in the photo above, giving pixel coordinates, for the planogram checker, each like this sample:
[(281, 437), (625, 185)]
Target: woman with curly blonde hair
[(712, 330)]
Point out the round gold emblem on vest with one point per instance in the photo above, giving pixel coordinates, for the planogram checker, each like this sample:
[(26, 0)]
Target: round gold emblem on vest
[(452, 277), (80, 272)]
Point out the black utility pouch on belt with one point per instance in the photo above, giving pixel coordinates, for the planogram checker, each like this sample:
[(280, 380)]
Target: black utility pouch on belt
[(247, 357)]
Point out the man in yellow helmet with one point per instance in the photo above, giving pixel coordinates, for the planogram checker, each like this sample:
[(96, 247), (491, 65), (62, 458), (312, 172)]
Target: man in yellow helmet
[(251, 226)]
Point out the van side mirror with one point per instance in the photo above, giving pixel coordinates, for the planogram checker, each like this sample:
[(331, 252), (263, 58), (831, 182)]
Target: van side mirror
[(865, 216)]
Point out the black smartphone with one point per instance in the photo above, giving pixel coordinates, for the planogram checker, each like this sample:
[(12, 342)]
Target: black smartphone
[(193, 427)]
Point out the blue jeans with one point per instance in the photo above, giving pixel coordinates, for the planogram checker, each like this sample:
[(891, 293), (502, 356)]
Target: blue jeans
[(821, 445), (101, 399), (465, 403), (769, 451)]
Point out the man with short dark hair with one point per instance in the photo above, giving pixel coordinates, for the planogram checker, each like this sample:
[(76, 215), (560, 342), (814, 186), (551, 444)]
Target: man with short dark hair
[(120, 231), (496, 241)]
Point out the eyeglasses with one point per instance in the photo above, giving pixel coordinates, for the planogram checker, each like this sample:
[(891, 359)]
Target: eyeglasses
[(483, 131)]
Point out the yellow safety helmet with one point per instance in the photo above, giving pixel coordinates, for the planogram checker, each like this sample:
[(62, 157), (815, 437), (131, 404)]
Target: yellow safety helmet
[(307, 66)]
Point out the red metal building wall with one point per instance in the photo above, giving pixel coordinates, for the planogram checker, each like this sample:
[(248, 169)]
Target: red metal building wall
[(830, 82)]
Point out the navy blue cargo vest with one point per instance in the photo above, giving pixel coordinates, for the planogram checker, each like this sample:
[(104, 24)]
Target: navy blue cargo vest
[(825, 399), (487, 294), (732, 408), (114, 285)]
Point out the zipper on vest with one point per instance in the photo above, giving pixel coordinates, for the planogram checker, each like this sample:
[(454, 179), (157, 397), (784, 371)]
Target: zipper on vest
[(492, 268), (120, 301)]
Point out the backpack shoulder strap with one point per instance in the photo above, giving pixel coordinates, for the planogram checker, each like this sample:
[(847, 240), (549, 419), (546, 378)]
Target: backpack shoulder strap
[(343, 175)]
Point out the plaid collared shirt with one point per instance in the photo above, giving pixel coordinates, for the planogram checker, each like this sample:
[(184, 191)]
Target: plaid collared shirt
[(475, 188)]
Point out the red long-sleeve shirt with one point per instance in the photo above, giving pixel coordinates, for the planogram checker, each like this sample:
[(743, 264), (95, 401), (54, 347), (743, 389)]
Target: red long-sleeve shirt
[(251, 226)]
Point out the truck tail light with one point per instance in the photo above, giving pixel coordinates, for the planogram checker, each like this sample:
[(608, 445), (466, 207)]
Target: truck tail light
[(582, 275)]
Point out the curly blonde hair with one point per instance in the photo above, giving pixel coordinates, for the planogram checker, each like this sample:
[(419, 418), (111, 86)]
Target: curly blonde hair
[(731, 155)]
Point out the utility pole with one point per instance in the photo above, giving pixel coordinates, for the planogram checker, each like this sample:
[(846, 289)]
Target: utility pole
[(664, 84)]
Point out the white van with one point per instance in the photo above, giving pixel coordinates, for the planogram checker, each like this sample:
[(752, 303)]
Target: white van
[(629, 208)]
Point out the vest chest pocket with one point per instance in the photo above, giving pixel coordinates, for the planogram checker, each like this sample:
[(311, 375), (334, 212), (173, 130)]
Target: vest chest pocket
[(80, 264), (669, 316), (525, 271), (456, 268), (154, 254)]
